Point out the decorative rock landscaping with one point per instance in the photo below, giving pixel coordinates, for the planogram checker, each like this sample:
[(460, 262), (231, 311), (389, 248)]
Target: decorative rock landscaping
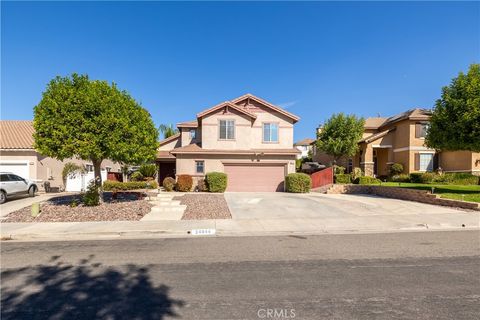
[(201, 206)]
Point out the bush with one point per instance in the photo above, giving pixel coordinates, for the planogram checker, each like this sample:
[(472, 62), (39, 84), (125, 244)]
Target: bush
[(92, 196), (298, 183), (396, 169), (216, 181), (356, 173), (367, 180), (131, 185), (202, 185), (339, 170), (168, 183), (136, 176), (184, 182), (425, 177), (148, 170), (342, 178), (464, 178), (298, 164), (400, 178)]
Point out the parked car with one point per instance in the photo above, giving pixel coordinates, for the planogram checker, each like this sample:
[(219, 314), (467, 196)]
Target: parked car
[(11, 184)]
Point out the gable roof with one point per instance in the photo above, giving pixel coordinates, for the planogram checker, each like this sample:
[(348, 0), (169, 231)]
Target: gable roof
[(16, 134), (374, 122), (169, 139), (267, 104), (304, 142), (412, 114), (227, 104), (188, 124), (376, 136)]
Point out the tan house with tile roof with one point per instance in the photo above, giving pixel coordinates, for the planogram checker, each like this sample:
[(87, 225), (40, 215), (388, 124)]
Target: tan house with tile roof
[(248, 138), (401, 139), (18, 156)]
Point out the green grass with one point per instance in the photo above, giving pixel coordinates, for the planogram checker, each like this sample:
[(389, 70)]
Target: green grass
[(457, 192)]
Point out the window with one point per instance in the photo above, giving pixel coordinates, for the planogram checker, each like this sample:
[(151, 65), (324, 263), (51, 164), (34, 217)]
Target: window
[(193, 134), (421, 130), (270, 132), (227, 130), (426, 162), (350, 165), (199, 166), (14, 177), (89, 168), (108, 169), (4, 177)]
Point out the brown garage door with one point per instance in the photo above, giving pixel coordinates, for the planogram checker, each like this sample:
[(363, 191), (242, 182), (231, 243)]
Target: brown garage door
[(250, 178)]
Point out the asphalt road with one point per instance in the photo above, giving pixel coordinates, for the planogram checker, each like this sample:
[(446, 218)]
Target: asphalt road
[(424, 275)]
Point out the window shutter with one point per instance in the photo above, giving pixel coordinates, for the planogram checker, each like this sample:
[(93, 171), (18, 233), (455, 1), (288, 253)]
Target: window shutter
[(418, 129), (417, 161)]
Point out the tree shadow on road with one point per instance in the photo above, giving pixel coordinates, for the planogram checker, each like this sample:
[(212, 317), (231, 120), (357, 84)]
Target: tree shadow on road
[(84, 291)]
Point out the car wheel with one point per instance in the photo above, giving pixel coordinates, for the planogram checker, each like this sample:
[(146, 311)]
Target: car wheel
[(31, 191), (3, 197)]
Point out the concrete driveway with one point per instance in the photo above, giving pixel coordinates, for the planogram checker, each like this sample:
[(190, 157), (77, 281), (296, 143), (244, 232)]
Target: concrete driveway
[(346, 211), (19, 202)]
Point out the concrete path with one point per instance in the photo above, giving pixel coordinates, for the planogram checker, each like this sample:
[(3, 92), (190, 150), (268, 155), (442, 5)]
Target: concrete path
[(165, 208)]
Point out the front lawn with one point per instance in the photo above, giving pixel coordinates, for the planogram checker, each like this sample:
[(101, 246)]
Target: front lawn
[(457, 192)]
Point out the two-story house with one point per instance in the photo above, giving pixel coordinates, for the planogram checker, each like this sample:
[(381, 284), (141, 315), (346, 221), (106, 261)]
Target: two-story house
[(401, 139), (248, 138)]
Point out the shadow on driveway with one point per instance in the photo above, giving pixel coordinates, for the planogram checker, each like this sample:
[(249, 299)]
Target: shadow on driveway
[(84, 291)]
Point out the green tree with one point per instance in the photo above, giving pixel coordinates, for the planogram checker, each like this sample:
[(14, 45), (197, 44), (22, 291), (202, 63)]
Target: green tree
[(339, 135), (167, 130), (455, 122), (93, 120)]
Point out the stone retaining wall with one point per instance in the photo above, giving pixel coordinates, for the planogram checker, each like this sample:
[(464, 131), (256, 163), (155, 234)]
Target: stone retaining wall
[(403, 194)]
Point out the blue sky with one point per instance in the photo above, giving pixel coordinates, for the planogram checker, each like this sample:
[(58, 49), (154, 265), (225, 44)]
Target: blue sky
[(314, 58)]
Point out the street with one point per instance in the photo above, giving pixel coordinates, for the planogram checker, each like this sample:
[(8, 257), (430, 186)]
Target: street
[(414, 275)]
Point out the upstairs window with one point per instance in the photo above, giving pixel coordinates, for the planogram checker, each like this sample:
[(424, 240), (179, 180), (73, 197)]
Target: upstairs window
[(270, 132), (421, 130), (193, 134), (227, 130)]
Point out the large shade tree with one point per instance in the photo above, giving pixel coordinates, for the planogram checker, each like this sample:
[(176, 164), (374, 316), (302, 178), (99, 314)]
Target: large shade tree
[(339, 135), (93, 120), (455, 122)]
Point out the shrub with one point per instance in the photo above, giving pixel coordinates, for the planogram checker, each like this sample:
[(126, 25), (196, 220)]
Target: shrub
[(136, 176), (342, 178), (216, 181), (400, 178), (464, 178), (91, 197), (356, 173), (425, 177), (396, 169), (298, 182), (339, 170), (366, 180), (169, 183), (131, 185), (184, 182), (202, 185), (298, 164), (148, 170)]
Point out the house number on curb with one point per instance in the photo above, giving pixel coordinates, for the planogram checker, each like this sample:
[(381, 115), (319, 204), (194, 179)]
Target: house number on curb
[(202, 232)]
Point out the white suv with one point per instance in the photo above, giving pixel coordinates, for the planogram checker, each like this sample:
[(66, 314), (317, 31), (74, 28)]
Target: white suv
[(11, 184)]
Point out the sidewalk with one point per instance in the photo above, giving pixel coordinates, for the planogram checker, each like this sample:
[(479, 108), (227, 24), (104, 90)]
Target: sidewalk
[(246, 227)]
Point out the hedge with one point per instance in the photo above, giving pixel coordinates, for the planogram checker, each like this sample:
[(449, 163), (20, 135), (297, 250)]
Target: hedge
[(184, 183), (168, 183), (131, 185), (298, 183), (366, 180), (216, 181), (343, 178), (458, 178)]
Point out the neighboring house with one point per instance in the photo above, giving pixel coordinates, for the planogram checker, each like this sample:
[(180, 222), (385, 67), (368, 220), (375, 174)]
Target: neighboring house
[(401, 139), (248, 138), (18, 156), (304, 146)]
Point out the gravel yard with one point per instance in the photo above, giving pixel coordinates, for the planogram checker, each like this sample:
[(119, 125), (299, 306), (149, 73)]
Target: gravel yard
[(63, 209), (202, 206)]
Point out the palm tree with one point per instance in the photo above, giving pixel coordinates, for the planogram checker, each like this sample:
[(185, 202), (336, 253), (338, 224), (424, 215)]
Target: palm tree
[(167, 130)]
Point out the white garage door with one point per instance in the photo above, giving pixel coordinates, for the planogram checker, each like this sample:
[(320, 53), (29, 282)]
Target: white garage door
[(253, 178), (19, 168)]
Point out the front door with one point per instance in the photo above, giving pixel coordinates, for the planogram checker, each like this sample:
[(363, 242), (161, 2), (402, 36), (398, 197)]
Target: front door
[(166, 169)]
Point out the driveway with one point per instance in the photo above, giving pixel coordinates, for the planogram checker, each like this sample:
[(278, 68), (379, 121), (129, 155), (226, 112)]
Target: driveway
[(341, 211), (19, 202)]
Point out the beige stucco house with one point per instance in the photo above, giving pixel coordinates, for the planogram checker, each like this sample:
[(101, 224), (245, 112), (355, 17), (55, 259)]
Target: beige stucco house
[(305, 146), (401, 139), (18, 156), (248, 138)]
